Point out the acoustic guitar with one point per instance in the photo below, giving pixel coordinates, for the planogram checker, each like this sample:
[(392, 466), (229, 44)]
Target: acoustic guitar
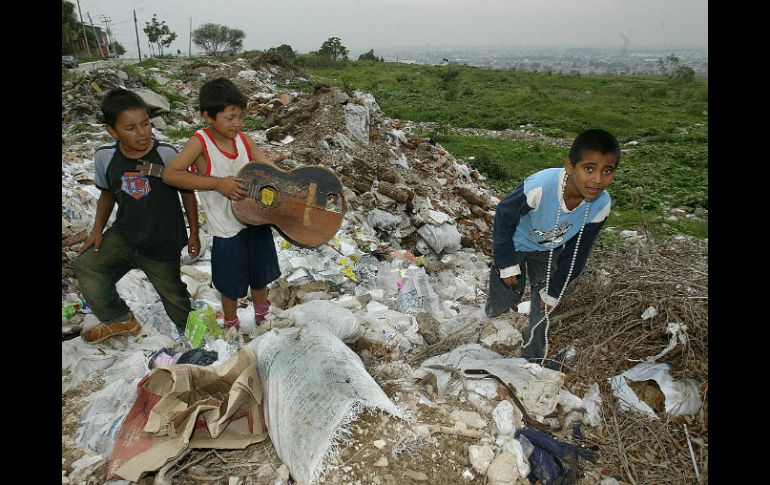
[(305, 205)]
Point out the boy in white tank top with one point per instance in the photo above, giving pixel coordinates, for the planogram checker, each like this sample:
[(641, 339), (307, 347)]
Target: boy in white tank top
[(242, 256)]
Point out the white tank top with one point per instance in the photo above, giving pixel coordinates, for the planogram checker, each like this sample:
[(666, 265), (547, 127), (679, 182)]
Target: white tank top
[(217, 207)]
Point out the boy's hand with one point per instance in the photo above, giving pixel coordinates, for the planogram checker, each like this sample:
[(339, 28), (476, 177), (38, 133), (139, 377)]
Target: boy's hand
[(232, 187), (543, 305), (94, 240), (547, 301), (193, 245), (510, 281), (271, 159)]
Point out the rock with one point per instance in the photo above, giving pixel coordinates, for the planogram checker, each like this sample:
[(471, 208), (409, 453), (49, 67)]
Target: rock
[(341, 97), (379, 444), (416, 476), (503, 417), (388, 189), (382, 462), (503, 470), (159, 123), (155, 102), (480, 457), (471, 418), (264, 473), (274, 133), (282, 472), (473, 198), (437, 217)]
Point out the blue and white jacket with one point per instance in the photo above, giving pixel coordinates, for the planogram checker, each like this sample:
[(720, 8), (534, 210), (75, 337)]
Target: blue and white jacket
[(525, 221)]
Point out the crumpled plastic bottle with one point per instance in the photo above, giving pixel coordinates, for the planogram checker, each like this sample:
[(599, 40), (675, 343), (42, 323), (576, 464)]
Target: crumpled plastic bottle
[(69, 310)]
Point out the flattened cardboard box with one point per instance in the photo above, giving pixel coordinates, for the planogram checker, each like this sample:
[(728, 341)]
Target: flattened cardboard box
[(189, 406)]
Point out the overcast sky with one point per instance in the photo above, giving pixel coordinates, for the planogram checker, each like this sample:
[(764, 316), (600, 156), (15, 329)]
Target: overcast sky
[(386, 25)]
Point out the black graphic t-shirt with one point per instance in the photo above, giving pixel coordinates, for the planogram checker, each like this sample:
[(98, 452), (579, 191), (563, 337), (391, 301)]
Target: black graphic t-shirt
[(149, 211)]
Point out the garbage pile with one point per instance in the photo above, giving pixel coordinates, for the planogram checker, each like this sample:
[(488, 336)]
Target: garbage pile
[(421, 385)]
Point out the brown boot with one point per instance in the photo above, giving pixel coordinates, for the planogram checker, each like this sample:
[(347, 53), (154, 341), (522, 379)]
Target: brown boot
[(103, 331)]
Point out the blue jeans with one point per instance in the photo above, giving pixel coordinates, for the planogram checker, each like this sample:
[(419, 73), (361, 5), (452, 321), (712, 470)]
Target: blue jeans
[(99, 271), (502, 297)]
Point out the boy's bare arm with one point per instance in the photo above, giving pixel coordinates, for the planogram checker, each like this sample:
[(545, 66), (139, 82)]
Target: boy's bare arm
[(104, 207), (190, 204), (176, 174), (257, 154)]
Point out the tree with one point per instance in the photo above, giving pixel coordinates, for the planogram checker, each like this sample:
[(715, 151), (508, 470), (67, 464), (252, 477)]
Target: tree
[(217, 39), (70, 28), (159, 34), (118, 48), (673, 69), (285, 51), (333, 50), (369, 56)]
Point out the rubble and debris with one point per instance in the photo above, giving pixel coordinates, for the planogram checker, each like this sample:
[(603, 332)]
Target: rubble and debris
[(404, 284)]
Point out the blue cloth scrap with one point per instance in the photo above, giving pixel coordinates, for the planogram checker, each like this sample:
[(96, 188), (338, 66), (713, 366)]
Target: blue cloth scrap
[(554, 462)]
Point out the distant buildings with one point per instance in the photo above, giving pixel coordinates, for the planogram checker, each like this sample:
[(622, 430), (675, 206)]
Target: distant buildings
[(556, 60)]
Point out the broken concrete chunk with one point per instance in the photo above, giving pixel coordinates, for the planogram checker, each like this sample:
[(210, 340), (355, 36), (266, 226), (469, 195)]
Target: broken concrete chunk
[(159, 123), (474, 198), (155, 102), (398, 194), (503, 470), (341, 97), (480, 457), (471, 418)]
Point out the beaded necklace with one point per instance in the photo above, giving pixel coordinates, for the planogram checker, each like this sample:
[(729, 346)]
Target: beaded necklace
[(547, 316)]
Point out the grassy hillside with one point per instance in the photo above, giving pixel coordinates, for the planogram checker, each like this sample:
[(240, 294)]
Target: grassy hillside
[(667, 167)]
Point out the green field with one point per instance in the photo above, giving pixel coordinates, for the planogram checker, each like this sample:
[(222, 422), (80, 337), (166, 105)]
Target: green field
[(668, 167)]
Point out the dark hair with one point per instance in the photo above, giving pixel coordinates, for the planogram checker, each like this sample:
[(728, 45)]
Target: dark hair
[(596, 140), (119, 100), (218, 94)]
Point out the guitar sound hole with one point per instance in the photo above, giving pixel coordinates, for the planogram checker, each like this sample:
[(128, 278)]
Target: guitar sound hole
[(267, 196), (333, 202)]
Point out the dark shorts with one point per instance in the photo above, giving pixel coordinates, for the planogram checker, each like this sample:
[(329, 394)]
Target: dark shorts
[(246, 259)]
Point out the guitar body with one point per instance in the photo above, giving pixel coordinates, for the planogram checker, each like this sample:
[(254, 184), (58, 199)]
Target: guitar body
[(305, 205)]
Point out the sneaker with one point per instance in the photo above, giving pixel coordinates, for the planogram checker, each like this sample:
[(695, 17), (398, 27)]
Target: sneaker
[(103, 331)]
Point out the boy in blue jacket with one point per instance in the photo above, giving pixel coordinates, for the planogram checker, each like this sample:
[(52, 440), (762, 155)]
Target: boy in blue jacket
[(545, 229)]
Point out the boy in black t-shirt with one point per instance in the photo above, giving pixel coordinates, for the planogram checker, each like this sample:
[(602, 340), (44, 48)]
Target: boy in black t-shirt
[(149, 229)]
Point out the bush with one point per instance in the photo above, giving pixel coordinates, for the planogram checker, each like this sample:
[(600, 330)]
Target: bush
[(485, 164)]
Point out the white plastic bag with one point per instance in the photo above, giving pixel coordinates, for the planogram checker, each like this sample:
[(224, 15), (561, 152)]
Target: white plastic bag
[(444, 238), (341, 321), (681, 397)]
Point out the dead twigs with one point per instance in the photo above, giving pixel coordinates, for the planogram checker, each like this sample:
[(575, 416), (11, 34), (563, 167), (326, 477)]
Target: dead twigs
[(611, 335)]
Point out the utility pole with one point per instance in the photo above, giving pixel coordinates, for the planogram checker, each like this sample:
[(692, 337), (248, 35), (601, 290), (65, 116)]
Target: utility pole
[(85, 39), (98, 42), (189, 45), (106, 22), (136, 29)]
